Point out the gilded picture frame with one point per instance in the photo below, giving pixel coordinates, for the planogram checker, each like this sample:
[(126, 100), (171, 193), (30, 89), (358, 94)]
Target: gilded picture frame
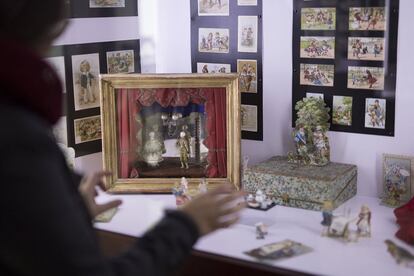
[(142, 176)]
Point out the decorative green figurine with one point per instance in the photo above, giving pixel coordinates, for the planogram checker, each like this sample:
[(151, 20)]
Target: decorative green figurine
[(311, 140)]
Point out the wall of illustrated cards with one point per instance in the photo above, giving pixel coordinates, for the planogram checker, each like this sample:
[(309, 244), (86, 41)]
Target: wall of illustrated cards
[(226, 36), (79, 67), (346, 53)]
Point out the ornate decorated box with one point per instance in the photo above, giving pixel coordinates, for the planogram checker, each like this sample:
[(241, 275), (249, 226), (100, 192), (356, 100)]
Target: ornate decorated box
[(302, 186)]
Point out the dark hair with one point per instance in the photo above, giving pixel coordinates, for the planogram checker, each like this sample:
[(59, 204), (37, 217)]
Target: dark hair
[(31, 21)]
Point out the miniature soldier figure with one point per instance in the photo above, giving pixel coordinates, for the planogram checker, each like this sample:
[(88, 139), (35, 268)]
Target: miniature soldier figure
[(327, 216), (364, 222), (184, 147)]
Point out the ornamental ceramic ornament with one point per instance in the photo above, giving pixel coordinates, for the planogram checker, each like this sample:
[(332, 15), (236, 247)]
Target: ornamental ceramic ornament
[(310, 133), (364, 222), (181, 192), (153, 150)]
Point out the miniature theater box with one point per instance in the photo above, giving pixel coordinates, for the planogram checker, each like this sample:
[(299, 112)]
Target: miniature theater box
[(301, 186)]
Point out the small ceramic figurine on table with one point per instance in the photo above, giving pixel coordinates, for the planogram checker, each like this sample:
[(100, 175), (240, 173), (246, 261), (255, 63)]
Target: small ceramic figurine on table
[(181, 192), (184, 147), (401, 256), (364, 222), (326, 216), (261, 230), (202, 187)]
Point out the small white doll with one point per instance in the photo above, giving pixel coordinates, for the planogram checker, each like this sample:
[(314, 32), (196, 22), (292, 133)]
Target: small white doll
[(364, 222)]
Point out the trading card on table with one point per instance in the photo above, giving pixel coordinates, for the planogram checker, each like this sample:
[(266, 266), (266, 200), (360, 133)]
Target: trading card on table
[(106, 216), (279, 250)]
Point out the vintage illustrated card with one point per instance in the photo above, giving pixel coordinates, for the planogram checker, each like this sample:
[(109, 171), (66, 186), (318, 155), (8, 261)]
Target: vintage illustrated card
[(279, 250), (211, 68), (366, 48), (58, 64), (366, 78), (213, 40), (248, 114), (247, 70), (120, 62), (247, 2), (317, 74), (375, 111), (85, 70), (317, 47), (87, 129), (342, 110), (247, 34), (213, 7), (367, 19), (107, 3), (318, 18), (314, 95), (398, 179)]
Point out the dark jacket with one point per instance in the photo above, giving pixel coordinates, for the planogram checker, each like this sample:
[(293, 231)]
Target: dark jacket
[(45, 228)]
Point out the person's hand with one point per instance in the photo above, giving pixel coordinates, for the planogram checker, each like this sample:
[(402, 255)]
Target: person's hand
[(215, 209), (87, 190)]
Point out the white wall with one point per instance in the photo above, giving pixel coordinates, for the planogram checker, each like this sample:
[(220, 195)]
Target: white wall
[(173, 55)]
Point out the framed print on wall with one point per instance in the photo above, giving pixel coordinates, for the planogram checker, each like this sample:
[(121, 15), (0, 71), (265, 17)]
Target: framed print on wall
[(159, 128), (103, 8)]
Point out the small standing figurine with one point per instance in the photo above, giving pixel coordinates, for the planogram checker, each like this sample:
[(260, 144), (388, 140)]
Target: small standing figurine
[(202, 187), (181, 192), (261, 230), (326, 216), (364, 222), (184, 147)]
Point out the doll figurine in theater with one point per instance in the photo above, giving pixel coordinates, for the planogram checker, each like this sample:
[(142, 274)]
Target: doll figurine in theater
[(184, 148)]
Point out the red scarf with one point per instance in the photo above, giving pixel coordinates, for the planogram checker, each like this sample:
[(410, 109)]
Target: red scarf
[(28, 81)]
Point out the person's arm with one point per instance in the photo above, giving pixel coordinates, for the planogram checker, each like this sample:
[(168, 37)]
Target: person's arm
[(45, 229)]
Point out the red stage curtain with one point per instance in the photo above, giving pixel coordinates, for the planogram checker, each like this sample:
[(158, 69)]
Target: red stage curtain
[(216, 129), (128, 128), (129, 103)]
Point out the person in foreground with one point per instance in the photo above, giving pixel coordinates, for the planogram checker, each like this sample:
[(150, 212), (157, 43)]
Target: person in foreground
[(45, 225)]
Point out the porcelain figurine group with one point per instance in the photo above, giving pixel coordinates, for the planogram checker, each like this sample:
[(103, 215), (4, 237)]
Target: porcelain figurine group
[(310, 133), (182, 194), (154, 148), (339, 226)]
